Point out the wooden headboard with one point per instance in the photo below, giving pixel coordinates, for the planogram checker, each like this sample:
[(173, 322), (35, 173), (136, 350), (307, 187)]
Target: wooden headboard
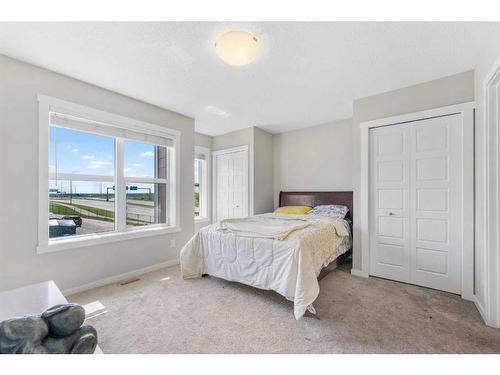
[(315, 198)]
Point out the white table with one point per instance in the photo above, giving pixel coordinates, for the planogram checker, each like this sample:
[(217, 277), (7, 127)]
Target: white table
[(31, 300)]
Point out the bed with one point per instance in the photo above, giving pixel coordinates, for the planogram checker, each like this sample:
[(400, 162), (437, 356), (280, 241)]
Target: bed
[(280, 252)]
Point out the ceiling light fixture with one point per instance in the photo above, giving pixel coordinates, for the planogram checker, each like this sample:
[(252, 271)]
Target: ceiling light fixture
[(237, 47), (217, 111)]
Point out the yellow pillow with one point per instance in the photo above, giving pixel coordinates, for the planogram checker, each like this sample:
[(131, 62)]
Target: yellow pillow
[(296, 210)]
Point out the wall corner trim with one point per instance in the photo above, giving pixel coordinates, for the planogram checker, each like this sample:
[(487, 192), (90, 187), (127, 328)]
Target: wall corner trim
[(359, 273), (491, 175)]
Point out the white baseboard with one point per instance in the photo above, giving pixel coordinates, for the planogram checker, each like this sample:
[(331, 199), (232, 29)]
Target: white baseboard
[(480, 308), (359, 273), (120, 277)]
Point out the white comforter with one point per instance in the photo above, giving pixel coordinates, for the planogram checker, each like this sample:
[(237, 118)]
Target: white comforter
[(280, 252), (275, 227)]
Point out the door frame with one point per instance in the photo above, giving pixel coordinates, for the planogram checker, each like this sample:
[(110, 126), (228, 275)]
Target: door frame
[(217, 153), (491, 199), (466, 111)]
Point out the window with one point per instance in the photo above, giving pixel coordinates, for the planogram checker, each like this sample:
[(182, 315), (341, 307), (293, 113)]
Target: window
[(201, 183), (145, 171), (107, 177), (81, 177)]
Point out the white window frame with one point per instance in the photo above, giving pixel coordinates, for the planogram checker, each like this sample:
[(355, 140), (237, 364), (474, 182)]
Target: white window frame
[(205, 184), (46, 105)]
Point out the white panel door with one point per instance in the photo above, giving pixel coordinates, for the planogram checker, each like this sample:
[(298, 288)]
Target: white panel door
[(389, 201), (415, 201), (232, 185), (436, 203)]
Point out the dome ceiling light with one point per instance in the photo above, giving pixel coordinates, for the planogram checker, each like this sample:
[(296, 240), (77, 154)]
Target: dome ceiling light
[(237, 47)]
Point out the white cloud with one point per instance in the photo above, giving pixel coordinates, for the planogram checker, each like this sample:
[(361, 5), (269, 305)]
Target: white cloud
[(147, 154), (138, 165), (98, 164), (75, 150), (88, 157), (127, 169)]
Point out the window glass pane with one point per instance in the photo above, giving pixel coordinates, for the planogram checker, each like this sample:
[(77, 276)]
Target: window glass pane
[(144, 160), (72, 151), (146, 204), (197, 182), (80, 207)]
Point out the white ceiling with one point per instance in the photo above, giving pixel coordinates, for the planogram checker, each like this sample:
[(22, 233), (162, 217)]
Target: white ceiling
[(307, 74)]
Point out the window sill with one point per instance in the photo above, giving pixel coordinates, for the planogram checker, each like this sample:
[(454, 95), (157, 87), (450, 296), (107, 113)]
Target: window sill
[(201, 220), (99, 239)]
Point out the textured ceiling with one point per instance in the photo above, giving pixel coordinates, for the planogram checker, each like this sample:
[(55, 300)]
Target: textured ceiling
[(307, 74)]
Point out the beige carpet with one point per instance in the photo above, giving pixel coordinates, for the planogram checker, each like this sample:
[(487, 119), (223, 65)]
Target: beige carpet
[(162, 313)]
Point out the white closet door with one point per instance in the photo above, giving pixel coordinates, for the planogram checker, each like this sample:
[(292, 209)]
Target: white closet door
[(415, 202), (232, 185), (436, 203), (389, 200)]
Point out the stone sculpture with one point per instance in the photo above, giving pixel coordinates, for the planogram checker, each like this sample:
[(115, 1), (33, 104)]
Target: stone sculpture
[(57, 330)]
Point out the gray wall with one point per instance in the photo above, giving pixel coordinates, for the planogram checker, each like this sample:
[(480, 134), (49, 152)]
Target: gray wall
[(263, 171), (19, 262), (315, 158), (203, 140), (445, 91), (234, 139)]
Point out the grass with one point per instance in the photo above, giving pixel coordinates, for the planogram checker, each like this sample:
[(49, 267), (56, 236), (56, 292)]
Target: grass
[(137, 222), (101, 214), (69, 209), (95, 210), (110, 200), (59, 209)]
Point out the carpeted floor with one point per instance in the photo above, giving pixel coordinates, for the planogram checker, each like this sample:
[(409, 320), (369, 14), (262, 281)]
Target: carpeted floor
[(162, 313)]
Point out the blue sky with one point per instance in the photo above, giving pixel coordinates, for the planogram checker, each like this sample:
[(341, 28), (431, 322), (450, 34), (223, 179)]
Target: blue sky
[(86, 153)]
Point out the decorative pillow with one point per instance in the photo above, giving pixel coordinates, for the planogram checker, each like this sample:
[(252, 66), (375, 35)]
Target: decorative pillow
[(296, 210), (330, 210)]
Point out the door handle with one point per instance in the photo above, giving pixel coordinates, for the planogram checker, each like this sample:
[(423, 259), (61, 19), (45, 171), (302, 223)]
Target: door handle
[(391, 213)]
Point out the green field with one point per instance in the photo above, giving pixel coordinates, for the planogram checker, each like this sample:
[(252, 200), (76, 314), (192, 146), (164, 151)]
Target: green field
[(60, 209), (98, 213)]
